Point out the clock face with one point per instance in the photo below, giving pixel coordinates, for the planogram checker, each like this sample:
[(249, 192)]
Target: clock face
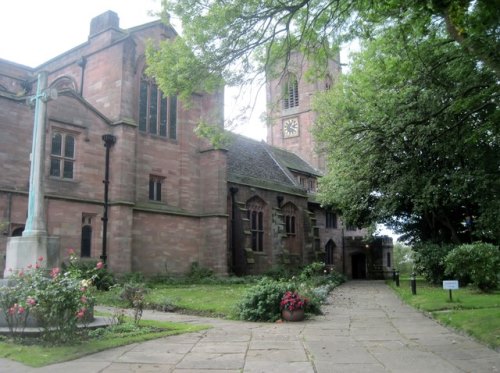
[(291, 127)]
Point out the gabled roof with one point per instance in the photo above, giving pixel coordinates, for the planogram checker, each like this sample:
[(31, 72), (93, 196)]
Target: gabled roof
[(256, 163)]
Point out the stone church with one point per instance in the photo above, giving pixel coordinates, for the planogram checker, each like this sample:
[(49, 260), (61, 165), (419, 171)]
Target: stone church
[(173, 199)]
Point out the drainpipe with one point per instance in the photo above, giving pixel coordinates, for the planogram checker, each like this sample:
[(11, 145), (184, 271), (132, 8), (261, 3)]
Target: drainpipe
[(233, 191), (109, 141)]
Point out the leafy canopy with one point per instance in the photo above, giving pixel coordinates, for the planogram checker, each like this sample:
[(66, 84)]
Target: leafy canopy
[(412, 138), (411, 132)]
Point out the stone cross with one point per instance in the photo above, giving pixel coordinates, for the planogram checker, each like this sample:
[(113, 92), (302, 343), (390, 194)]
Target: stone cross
[(35, 223), (35, 243)]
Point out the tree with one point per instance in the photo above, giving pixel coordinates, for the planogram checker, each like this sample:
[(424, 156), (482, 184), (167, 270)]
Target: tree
[(412, 138), (403, 258), (236, 40), (411, 133)]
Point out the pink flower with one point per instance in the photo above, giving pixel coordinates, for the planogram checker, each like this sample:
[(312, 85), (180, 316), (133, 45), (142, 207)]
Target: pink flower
[(21, 273), (30, 266), (80, 314), (40, 258), (20, 310), (71, 251), (31, 301), (55, 272), (99, 265), (12, 310), (83, 289), (83, 299), (37, 265)]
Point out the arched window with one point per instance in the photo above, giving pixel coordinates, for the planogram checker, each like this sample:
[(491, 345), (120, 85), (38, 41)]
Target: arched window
[(290, 213), (329, 248), (290, 92), (86, 241), (157, 114), (255, 213)]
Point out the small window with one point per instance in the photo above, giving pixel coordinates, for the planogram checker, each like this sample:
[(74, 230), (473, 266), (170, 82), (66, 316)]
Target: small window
[(312, 186), (62, 156), (256, 216), (329, 252), (155, 183), (290, 225), (86, 241), (331, 220), (290, 213), (157, 114), (351, 228), (290, 92)]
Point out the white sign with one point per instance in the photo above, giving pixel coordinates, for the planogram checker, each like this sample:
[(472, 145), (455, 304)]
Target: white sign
[(450, 285)]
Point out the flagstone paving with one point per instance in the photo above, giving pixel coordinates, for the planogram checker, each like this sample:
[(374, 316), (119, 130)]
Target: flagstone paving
[(364, 328)]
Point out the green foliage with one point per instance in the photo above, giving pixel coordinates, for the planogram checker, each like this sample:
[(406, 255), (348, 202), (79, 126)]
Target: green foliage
[(478, 262), (403, 258), (197, 272), (280, 272), (429, 260), (237, 39), (399, 156), (262, 301), (134, 293), (57, 300), (311, 270), (95, 270)]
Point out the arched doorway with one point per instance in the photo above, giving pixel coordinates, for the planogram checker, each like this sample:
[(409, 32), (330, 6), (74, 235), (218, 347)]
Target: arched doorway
[(329, 249), (358, 262)]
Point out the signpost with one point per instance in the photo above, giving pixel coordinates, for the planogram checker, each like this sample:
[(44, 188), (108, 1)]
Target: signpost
[(450, 285)]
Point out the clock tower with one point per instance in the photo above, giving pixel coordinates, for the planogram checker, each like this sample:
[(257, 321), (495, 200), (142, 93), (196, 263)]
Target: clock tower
[(290, 115)]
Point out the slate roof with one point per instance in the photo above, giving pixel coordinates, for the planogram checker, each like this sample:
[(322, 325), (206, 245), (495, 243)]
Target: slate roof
[(294, 162), (256, 163)]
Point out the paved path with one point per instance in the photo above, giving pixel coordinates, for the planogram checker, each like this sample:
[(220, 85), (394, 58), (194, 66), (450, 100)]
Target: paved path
[(365, 328)]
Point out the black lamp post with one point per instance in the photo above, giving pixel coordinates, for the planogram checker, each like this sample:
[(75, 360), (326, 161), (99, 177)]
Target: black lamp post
[(109, 141)]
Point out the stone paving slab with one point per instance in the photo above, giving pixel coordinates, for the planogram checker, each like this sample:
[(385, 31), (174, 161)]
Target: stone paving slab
[(364, 328)]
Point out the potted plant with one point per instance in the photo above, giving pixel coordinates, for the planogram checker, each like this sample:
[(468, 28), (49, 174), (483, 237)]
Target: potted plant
[(293, 306)]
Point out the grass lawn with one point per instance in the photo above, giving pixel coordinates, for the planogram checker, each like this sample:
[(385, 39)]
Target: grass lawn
[(476, 313), (214, 299), (37, 355)]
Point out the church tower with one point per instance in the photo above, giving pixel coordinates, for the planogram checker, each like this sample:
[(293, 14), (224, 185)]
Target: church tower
[(289, 108)]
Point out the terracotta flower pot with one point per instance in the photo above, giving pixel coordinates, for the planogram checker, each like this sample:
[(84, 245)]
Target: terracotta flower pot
[(295, 315)]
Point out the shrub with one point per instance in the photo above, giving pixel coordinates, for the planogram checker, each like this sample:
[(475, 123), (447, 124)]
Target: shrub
[(429, 260), (57, 300), (134, 294), (262, 301), (102, 279), (312, 270), (478, 263), (198, 273)]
